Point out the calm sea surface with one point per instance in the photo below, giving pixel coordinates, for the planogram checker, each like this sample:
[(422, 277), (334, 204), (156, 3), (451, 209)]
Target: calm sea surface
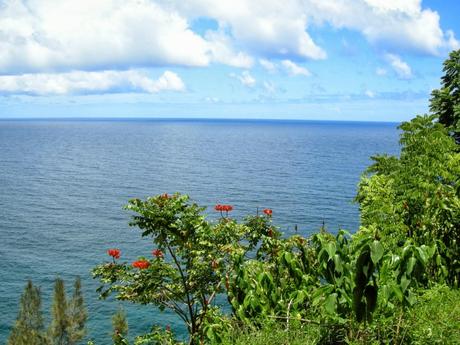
[(63, 184)]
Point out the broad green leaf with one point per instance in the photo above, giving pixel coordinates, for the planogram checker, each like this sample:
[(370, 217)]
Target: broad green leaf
[(376, 251), (410, 265)]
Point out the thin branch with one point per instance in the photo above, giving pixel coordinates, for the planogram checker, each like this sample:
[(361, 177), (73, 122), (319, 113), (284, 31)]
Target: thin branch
[(184, 282)]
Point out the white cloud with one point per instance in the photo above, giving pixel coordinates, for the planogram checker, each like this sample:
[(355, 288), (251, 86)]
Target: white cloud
[(380, 71), (369, 93), (401, 68), (45, 35), (268, 65), (398, 25), (222, 51), (294, 69), (89, 82), (49, 36), (452, 42), (245, 78), (267, 28)]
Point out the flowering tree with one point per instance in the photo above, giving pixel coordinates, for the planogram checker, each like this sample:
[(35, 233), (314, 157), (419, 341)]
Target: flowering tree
[(191, 260)]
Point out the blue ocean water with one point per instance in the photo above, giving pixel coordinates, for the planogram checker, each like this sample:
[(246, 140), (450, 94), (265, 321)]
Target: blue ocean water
[(63, 184)]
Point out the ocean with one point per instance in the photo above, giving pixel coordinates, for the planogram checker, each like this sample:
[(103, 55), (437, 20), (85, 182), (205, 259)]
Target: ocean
[(63, 185)]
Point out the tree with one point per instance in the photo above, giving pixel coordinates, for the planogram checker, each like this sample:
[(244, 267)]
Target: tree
[(120, 326), (188, 268), (416, 196), (29, 328), (77, 315), (58, 330), (445, 102)]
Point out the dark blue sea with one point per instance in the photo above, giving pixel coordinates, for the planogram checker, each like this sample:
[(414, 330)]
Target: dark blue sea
[(63, 185)]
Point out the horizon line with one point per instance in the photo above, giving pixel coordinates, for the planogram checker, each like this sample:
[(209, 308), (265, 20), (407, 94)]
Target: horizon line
[(188, 119)]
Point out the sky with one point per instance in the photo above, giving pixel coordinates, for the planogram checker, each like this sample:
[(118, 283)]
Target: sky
[(351, 60)]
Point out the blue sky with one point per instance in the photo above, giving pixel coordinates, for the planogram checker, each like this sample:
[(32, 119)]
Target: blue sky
[(371, 60)]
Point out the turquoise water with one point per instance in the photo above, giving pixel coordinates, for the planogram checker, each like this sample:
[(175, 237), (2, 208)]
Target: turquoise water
[(63, 184)]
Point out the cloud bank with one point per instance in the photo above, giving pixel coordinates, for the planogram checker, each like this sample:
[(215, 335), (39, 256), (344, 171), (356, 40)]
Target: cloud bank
[(45, 35), (97, 46), (89, 83)]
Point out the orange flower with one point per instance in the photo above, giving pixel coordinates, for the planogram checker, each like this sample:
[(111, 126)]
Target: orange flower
[(114, 253), (141, 264), (157, 253)]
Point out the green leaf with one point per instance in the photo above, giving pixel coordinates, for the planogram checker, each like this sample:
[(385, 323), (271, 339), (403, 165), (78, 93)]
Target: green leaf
[(376, 251), (422, 254), (410, 265), (330, 304), (404, 282), (331, 249), (398, 293)]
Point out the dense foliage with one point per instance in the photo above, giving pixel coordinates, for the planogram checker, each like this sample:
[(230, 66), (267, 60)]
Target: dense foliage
[(333, 289), (445, 102)]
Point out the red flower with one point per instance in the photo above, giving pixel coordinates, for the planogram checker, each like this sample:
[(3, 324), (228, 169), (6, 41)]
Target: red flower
[(141, 264), (225, 208), (158, 253), (114, 253), (164, 196), (268, 212)]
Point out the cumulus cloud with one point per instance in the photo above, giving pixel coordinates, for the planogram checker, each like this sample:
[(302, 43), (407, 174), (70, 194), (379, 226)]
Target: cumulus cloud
[(398, 25), (401, 68), (222, 51), (45, 35), (267, 28), (79, 82), (48, 36), (452, 42), (245, 78), (294, 69)]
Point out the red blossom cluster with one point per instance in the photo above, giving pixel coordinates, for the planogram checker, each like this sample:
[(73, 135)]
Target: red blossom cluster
[(157, 253), (114, 253), (268, 212), (223, 208), (141, 264)]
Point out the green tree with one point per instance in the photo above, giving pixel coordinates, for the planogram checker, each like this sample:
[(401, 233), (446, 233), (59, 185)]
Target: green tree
[(416, 196), (29, 328), (188, 268), (76, 314), (119, 325), (58, 330), (445, 102)]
